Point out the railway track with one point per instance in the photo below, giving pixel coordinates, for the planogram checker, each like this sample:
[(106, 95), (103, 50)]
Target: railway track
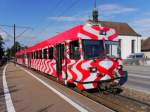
[(118, 103)]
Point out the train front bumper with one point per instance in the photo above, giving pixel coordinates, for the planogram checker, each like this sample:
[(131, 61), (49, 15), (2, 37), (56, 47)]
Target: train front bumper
[(117, 81)]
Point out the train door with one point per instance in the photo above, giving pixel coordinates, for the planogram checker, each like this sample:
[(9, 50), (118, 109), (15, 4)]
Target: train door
[(23, 59), (29, 59), (60, 61)]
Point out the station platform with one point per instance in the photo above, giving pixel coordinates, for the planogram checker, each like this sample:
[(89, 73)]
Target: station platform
[(32, 92)]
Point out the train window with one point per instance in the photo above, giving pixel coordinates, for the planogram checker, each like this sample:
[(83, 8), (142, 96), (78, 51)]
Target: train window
[(36, 54), (50, 53), (28, 55), (74, 50), (32, 55), (40, 54), (112, 48), (62, 50), (93, 48), (45, 53)]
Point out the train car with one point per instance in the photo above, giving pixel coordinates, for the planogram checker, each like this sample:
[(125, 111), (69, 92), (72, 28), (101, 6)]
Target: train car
[(87, 56)]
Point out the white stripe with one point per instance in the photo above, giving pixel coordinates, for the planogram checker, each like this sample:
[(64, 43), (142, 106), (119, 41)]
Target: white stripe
[(86, 65), (78, 73), (110, 32), (88, 86), (91, 30), (92, 77), (68, 72), (106, 77), (82, 36), (107, 64), (50, 67), (77, 106), (9, 104)]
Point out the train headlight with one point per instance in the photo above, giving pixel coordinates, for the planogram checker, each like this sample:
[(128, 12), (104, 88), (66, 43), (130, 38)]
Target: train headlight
[(93, 69), (120, 67)]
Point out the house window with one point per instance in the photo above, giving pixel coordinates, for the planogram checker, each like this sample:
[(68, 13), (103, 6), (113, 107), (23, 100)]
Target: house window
[(50, 52), (120, 44), (133, 46)]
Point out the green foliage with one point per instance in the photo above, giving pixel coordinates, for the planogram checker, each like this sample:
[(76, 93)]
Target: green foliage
[(10, 52), (1, 47)]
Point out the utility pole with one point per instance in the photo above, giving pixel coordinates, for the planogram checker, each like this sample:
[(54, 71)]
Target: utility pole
[(15, 43), (14, 36)]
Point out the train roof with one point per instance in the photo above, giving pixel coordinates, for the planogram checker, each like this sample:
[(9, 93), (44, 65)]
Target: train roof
[(70, 34), (88, 31)]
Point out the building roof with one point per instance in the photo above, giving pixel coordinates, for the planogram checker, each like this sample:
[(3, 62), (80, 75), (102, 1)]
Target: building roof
[(121, 28), (146, 44)]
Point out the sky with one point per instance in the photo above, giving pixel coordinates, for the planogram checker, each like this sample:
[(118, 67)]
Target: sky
[(47, 18)]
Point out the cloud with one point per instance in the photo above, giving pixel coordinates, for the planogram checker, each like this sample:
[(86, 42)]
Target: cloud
[(107, 11), (145, 22), (142, 25), (110, 9), (4, 35)]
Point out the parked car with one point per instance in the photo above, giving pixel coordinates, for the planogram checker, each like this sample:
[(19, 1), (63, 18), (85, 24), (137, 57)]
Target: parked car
[(135, 59)]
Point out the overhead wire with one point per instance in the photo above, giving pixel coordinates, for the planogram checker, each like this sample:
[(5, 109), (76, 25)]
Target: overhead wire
[(58, 3), (69, 8), (55, 9), (66, 10)]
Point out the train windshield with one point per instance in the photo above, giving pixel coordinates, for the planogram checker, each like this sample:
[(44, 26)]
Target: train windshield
[(112, 48), (93, 49)]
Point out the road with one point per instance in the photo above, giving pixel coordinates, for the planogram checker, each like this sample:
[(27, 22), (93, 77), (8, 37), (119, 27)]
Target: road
[(139, 78), (27, 91)]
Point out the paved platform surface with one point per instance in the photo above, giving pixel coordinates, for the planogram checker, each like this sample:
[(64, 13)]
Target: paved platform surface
[(28, 94)]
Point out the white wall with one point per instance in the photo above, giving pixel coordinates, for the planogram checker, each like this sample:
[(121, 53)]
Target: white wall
[(126, 45), (147, 54)]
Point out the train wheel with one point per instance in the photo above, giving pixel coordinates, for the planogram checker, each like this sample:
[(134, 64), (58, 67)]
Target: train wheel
[(101, 88)]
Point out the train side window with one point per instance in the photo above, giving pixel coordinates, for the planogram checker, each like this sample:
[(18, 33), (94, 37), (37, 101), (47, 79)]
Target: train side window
[(45, 53), (36, 54), (62, 50), (32, 55), (40, 54), (74, 50), (50, 52), (28, 56)]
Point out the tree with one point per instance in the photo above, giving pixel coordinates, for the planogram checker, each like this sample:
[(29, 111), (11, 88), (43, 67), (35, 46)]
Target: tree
[(13, 50), (1, 47), (8, 52), (18, 48)]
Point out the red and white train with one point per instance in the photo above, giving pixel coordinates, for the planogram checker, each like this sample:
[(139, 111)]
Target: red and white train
[(85, 55)]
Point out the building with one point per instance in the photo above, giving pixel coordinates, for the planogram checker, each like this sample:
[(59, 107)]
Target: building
[(130, 41), (146, 47)]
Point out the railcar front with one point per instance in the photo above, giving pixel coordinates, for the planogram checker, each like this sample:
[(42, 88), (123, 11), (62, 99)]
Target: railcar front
[(96, 63)]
